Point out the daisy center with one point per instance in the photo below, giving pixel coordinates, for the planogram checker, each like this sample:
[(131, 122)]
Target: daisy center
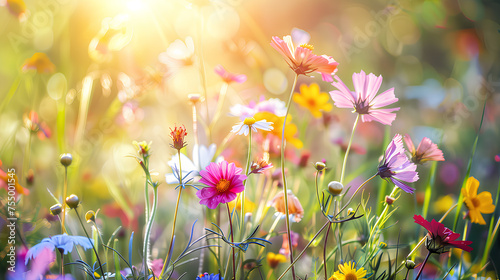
[(306, 46), (249, 121), (351, 276), (476, 202), (223, 185)]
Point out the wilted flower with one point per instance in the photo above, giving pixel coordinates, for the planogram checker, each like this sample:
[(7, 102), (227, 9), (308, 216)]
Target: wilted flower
[(426, 150), (363, 99), (313, 100), (302, 60), (396, 166), (440, 237), (229, 77), (39, 62), (63, 242), (348, 271), (261, 165), (178, 134), (294, 207), (250, 123), (477, 203), (224, 181), (273, 260)]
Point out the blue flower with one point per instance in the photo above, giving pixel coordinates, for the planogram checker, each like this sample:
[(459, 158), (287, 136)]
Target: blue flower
[(206, 276), (62, 242)]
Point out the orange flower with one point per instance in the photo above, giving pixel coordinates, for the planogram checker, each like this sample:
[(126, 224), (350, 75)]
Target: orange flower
[(313, 100), (275, 259), (294, 206), (4, 181), (291, 128), (477, 203), (39, 62), (178, 134)]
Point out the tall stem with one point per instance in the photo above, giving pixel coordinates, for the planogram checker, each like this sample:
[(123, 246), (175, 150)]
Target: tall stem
[(348, 149), (62, 263), (167, 258), (65, 193), (145, 248), (324, 250), (151, 220), (384, 212), (93, 247), (247, 167), (232, 240), (356, 192), (423, 264), (285, 190), (220, 102), (464, 238)]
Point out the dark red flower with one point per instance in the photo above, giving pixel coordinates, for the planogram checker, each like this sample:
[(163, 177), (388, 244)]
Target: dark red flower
[(439, 237)]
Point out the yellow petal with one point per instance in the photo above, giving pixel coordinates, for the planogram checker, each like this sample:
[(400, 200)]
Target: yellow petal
[(472, 185)]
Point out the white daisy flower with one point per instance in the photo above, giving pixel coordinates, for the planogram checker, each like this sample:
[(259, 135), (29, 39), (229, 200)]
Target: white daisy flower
[(244, 126)]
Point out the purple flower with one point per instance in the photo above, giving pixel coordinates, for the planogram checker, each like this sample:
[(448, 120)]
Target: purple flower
[(396, 166), (206, 276)]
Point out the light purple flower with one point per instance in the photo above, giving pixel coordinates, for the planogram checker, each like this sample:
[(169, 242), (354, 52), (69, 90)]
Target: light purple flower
[(363, 98), (62, 242), (396, 166), (224, 181), (229, 77)]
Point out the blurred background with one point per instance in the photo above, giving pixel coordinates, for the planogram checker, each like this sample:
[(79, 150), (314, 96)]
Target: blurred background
[(122, 70)]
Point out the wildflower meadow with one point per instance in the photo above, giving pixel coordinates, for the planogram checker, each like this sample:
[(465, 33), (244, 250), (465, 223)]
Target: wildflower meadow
[(249, 139)]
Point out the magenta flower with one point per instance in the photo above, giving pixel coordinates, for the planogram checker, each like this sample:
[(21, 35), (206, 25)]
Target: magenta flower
[(302, 60), (439, 237), (396, 166), (426, 150), (229, 77), (224, 181), (363, 99)]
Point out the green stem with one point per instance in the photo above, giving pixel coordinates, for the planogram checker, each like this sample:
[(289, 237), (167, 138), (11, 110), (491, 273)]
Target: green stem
[(357, 190), (324, 250), (466, 226), (383, 183), (348, 149), (65, 190), (428, 189), (285, 190), (490, 230), (151, 220), (384, 213), (247, 172), (232, 240), (93, 247), (423, 264), (175, 216), (145, 248), (62, 264), (220, 103), (202, 71)]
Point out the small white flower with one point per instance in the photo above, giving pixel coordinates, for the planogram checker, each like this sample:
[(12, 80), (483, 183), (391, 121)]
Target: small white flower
[(244, 126)]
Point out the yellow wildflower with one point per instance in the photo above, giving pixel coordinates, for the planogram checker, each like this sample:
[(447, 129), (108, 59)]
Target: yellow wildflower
[(477, 203), (348, 271), (313, 100), (290, 131)]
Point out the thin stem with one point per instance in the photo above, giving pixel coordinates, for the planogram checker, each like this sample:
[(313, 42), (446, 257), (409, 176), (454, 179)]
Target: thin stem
[(273, 226), (93, 247), (324, 251), (220, 102), (65, 192), (423, 264), (285, 190), (202, 71), (490, 238), (303, 251), (348, 149), (62, 264), (247, 172), (175, 216), (466, 226), (384, 212), (357, 190), (232, 240), (145, 247)]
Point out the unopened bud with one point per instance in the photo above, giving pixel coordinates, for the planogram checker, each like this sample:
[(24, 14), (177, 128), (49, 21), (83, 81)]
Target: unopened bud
[(410, 264), (350, 211), (335, 188), (66, 159), (389, 199), (72, 201), (320, 166), (56, 209), (90, 216)]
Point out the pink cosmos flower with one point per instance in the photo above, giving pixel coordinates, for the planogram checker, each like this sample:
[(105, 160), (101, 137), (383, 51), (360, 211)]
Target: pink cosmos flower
[(396, 166), (363, 99), (439, 237), (224, 181), (272, 105), (302, 60), (229, 77), (426, 150)]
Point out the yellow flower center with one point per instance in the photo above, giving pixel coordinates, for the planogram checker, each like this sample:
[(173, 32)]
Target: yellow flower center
[(311, 47), (249, 121), (223, 185), (476, 202), (351, 276)]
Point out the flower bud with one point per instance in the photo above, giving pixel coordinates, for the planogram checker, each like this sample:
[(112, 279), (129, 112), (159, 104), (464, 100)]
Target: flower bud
[(410, 264), (335, 188), (72, 201), (56, 209), (320, 166), (382, 245), (194, 98), (90, 216), (66, 159), (389, 199), (350, 211)]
